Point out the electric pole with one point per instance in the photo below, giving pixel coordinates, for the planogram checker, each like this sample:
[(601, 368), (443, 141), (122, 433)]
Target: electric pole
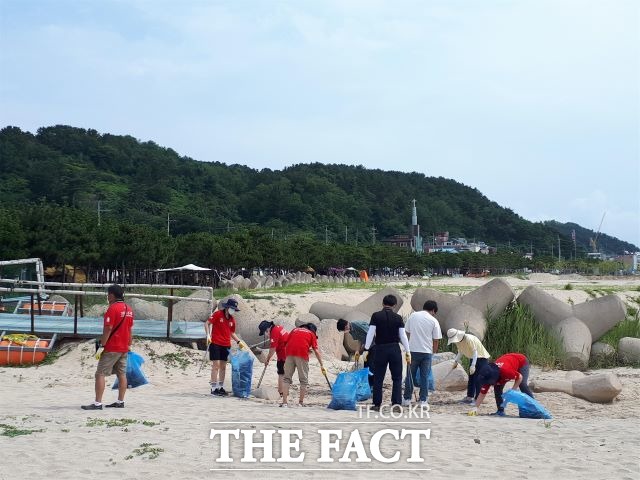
[(100, 210), (346, 230), (326, 235), (373, 235), (168, 222)]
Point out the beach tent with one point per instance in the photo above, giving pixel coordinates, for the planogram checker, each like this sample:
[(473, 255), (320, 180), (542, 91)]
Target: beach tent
[(190, 270)]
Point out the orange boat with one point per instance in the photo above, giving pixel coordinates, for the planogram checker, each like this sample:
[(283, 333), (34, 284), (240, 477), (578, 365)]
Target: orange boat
[(21, 349)]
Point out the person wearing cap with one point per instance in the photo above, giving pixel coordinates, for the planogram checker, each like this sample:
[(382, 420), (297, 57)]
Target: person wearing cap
[(220, 329), (471, 347), (510, 366), (387, 328), (278, 337), (424, 334), (358, 331), (300, 340)]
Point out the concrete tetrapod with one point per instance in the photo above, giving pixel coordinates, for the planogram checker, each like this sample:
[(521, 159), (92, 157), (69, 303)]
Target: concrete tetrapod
[(629, 349), (576, 341), (470, 309), (600, 388)]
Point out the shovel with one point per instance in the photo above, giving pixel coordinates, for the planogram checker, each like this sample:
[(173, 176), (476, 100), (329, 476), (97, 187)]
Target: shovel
[(262, 376), (328, 382)]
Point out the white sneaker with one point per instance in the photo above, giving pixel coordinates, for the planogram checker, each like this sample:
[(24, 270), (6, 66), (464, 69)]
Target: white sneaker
[(424, 404), (406, 402)]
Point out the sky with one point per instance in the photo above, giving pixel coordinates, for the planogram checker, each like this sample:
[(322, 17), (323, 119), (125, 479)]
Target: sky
[(536, 103)]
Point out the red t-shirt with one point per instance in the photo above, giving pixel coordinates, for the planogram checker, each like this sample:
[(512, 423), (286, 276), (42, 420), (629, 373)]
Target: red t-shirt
[(299, 343), (509, 364), (222, 328), (278, 340), (119, 340)]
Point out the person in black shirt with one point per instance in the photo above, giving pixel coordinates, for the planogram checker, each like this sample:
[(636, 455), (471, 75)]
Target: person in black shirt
[(387, 328)]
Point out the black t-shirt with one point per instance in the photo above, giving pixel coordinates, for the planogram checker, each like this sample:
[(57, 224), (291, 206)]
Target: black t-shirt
[(387, 324)]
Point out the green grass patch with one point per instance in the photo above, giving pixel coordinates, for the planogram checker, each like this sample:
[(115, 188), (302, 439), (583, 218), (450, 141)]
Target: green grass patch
[(119, 422), (11, 431), (146, 449), (515, 330)]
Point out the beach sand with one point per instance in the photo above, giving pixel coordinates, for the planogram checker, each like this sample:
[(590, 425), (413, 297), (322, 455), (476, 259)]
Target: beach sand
[(165, 427)]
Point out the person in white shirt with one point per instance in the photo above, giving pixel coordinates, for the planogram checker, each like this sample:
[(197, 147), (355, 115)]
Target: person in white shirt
[(471, 347), (424, 333)]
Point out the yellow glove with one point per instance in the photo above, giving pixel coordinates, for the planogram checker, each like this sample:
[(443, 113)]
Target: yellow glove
[(407, 357), (324, 371), (99, 353), (242, 345), (472, 370), (365, 355), (356, 357), (473, 412)]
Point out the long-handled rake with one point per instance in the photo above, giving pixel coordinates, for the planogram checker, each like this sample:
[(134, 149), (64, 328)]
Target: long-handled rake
[(262, 376)]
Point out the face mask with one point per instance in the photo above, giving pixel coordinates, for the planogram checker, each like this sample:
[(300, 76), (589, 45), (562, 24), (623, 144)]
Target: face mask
[(231, 310)]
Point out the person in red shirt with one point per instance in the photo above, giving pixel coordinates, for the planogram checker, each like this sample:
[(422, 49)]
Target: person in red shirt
[(300, 340), (278, 337), (220, 329), (113, 347), (510, 366)]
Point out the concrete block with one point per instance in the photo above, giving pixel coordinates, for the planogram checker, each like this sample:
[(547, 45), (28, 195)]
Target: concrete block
[(576, 341), (546, 309), (629, 349), (448, 379), (600, 388), (324, 310), (374, 302), (493, 297), (601, 315), (305, 318), (467, 318)]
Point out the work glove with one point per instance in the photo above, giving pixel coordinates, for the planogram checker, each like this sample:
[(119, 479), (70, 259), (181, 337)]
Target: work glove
[(472, 370), (324, 371), (242, 345), (407, 357), (99, 352), (473, 412), (365, 355), (356, 357)]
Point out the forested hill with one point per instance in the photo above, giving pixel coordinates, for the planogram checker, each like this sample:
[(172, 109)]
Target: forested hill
[(143, 182)]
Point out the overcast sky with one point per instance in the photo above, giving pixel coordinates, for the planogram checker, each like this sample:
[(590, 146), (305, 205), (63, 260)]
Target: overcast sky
[(535, 103)]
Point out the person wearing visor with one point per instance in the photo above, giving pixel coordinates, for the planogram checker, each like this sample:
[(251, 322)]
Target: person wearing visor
[(220, 329), (510, 366), (471, 347), (278, 337), (358, 331)]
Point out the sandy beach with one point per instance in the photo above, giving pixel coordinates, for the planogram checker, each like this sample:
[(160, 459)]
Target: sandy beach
[(164, 430)]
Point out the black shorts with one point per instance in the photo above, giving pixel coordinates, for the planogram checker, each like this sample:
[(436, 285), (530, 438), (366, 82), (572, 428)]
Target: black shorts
[(280, 367), (217, 352)]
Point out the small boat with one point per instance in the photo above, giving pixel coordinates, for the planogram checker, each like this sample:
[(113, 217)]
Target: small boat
[(24, 349)]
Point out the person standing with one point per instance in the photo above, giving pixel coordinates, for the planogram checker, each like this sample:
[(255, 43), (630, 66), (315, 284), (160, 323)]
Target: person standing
[(113, 348), (510, 366), (471, 347), (387, 328), (424, 334), (278, 337), (301, 340), (220, 329), (358, 331)]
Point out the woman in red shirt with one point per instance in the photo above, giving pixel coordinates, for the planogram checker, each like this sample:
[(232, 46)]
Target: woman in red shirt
[(510, 366)]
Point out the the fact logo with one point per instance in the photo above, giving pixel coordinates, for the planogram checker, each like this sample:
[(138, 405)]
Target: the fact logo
[(308, 443)]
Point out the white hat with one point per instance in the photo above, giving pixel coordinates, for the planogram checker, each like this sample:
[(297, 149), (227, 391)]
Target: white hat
[(454, 336)]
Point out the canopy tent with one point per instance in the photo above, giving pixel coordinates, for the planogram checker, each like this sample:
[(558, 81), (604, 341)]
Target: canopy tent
[(186, 268)]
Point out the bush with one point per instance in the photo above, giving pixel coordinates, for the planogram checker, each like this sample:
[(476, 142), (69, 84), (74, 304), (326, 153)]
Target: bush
[(515, 330)]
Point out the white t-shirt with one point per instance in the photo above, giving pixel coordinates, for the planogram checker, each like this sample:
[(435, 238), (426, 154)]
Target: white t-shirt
[(423, 329)]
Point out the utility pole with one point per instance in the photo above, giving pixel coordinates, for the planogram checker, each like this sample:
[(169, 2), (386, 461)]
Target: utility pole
[(326, 235), (272, 234), (346, 230), (168, 222), (373, 235), (100, 210), (559, 248)]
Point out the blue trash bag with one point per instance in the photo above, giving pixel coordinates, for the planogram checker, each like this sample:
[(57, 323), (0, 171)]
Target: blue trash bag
[(430, 380), (135, 375), (348, 388), (527, 407), (241, 373), (363, 389)]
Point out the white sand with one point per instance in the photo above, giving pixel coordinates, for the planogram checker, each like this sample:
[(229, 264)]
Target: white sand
[(584, 440)]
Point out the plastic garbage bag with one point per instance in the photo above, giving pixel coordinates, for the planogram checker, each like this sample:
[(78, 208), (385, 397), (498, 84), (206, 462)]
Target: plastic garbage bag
[(135, 375), (527, 407), (431, 381), (345, 391), (363, 389), (241, 373)]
